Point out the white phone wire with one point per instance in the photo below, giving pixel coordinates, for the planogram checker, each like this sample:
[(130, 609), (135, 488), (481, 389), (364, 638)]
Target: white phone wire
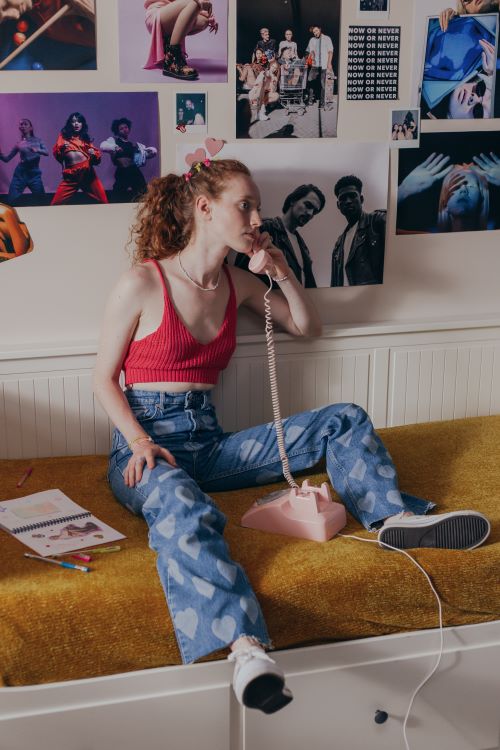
[(273, 380), (440, 615)]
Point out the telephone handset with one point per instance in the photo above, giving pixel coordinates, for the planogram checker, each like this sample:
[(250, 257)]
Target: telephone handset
[(259, 261), (307, 512)]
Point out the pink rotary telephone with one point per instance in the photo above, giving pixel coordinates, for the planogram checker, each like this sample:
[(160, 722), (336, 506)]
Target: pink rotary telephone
[(306, 511)]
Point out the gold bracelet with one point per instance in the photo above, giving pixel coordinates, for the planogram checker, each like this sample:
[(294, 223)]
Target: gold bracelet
[(137, 439), (284, 278)]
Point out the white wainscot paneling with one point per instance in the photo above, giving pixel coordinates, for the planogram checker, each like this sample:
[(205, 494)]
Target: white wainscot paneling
[(400, 374)]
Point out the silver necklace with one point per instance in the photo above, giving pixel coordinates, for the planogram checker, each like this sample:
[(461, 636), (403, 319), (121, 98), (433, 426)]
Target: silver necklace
[(203, 288)]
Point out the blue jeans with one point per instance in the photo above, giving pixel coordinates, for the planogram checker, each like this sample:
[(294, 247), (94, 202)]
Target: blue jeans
[(209, 596), (25, 176)]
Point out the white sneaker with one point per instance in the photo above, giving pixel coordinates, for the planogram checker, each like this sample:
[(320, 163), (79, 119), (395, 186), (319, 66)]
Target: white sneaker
[(262, 114), (258, 682), (461, 529)]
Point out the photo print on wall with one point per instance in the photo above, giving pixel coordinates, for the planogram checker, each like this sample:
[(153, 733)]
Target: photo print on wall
[(374, 8), (57, 149), (450, 184), (15, 239), (458, 64), (159, 45), (48, 35), (324, 205), (191, 112), (287, 57), (405, 128)]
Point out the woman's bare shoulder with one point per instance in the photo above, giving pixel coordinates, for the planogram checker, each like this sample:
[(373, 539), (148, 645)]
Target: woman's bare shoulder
[(136, 282)]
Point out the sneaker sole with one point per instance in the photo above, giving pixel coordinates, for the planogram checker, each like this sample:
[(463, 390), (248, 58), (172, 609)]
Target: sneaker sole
[(267, 693), (179, 77), (457, 532)]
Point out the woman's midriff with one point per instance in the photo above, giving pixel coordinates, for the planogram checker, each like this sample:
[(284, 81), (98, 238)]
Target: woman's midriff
[(123, 161), (74, 157), (172, 387)]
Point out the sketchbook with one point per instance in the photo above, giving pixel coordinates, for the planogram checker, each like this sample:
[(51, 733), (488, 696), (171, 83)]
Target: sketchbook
[(50, 523)]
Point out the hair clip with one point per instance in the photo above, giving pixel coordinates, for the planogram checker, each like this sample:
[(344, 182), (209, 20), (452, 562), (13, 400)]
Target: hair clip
[(187, 176)]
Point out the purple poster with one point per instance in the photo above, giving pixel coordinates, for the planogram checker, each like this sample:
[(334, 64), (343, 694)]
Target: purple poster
[(58, 149), (161, 43)]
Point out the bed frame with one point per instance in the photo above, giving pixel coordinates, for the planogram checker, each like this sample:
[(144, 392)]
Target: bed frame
[(338, 689), (406, 374)]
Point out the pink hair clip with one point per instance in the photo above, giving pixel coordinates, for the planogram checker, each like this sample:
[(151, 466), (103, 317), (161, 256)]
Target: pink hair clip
[(187, 176)]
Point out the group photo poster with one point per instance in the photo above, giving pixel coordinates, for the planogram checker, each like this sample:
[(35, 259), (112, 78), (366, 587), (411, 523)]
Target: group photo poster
[(456, 61), (77, 148), (150, 52), (324, 205), (67, 43), (451, 183), (287, 58)]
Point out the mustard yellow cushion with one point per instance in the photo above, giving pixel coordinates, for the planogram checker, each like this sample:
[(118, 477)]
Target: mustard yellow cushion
[(57, 624)]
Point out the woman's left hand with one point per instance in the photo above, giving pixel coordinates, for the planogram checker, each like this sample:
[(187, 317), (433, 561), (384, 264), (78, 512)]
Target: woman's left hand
[(488, 57), (488, 165)]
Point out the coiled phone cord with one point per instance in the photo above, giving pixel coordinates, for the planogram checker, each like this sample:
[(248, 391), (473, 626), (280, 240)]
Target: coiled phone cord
[(273, 380)]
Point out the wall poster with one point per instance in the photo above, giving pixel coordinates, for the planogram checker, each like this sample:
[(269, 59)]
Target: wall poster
[(325, 206), (57, 149), (38, 35), (147, 47), (287, 57), (373, 62), (450, 184)]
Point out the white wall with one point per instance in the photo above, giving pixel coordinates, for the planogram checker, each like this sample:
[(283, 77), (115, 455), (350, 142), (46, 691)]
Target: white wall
[(56, 294)]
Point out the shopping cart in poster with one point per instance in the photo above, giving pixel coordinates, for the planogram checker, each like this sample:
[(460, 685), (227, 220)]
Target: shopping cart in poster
[(293, 81)]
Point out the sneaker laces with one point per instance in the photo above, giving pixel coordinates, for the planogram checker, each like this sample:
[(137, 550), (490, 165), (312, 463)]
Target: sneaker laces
[(244, 655)]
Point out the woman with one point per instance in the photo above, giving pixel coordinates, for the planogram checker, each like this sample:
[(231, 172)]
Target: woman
[(27, 173), (128, 157), (471, 99), (169, 22), (464, 201), (467, 7), (170, 325), (77, 154), (288, 44)]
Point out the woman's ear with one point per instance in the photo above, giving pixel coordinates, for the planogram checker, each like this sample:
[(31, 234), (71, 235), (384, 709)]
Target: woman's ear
[(203, 205)]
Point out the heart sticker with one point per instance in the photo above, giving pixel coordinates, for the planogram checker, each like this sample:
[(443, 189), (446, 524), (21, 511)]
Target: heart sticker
[(214, 145), (199, 155)]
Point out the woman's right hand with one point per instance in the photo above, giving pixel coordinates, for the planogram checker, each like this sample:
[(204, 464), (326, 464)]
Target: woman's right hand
[(423, 177), (445, 17), (145, 454)]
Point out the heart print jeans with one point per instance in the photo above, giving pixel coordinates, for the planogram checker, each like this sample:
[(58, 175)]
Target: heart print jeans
[(209, 596)]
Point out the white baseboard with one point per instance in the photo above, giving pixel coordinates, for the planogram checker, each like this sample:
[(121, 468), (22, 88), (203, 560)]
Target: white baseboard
[(400, 373)]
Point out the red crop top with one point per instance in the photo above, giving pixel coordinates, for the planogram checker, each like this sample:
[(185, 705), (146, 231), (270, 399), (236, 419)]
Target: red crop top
[(172, 354)]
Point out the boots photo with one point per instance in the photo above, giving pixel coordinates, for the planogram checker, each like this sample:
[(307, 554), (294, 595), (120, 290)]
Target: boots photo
[(175, 64)]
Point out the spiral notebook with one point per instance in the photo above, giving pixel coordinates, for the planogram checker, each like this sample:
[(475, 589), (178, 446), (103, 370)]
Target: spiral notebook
[(50, 523)]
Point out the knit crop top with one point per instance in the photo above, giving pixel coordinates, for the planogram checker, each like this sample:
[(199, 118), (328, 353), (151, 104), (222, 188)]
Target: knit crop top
[(172, 354)]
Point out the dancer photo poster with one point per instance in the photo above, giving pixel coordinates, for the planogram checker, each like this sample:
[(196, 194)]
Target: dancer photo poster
[(57, 149)]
